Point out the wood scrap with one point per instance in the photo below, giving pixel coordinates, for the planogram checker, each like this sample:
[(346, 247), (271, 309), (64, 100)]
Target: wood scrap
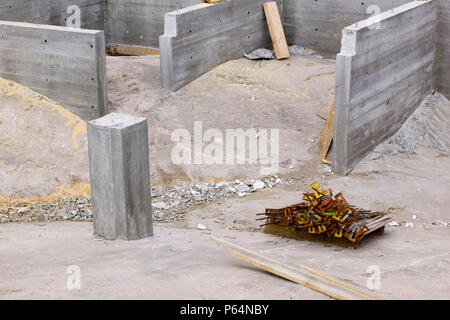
[(125, 50), (213, 1), (276, 30), (306, 276), (326, 136)]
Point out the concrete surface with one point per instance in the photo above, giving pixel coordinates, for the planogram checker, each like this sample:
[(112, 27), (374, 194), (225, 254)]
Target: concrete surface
[(65, 64), (198, 38), (54, 12), (318, 24), (382, 76), (313, 24), (120, 177), (139, 22), (442, 69)]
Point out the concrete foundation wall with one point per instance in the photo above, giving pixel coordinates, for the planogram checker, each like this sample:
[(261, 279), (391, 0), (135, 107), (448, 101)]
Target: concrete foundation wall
[(53, 12), (318, 24), (139, 22), (382, 75), (197, 39), (65, 64), (442, 69)]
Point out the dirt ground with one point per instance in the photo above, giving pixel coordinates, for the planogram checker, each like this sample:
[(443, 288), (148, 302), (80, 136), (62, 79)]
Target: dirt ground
[(413, 186), (43, 146), (286, 95)]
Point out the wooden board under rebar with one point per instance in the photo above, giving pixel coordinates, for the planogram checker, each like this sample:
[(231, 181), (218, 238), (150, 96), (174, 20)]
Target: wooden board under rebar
[(276, 30)]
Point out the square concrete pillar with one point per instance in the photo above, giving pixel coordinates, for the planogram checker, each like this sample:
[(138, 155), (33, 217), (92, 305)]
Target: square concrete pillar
[(120, 177)]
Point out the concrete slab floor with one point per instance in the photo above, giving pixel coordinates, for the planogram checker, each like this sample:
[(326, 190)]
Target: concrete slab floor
[(175, 264), (186, 264)]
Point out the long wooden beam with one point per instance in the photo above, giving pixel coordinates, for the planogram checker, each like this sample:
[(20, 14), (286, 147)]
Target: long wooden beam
[(306, 276)]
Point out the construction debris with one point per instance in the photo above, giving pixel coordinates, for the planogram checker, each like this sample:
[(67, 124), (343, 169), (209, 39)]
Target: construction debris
[(305, 276), (213, 1), (326, 137), (323, 213), (260, 54)]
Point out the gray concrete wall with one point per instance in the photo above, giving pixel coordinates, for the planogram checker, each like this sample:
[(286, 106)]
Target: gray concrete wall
[(53, 12), (318, 24), (120, 177), (382, 75), (442, 69), (197, 39), (65, 64), (139, 22)]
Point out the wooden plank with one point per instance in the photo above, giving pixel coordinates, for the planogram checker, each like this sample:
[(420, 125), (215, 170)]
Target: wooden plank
[(306, 276), (125, 50), (326, 136), (276, 30), (213, 1)]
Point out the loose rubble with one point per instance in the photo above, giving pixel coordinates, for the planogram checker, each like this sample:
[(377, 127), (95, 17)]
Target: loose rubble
[(169, 203), (269, 54), (75, 209)]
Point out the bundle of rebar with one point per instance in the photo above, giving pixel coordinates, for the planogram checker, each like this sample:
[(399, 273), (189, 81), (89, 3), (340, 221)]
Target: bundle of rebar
[(323, 213)]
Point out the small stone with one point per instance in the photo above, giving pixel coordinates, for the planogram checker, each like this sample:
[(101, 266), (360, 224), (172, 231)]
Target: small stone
[(23, 210), (259, 185), (159, 205), (201, 227), (242, 188)]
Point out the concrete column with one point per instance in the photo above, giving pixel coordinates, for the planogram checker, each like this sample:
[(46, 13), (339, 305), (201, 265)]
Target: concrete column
[(120, 177)]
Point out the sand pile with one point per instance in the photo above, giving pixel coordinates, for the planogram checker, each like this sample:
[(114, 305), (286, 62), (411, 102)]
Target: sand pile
[(428, 126), (42, 145)]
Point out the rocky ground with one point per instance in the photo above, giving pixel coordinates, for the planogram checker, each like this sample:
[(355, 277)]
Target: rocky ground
[(169, 203)]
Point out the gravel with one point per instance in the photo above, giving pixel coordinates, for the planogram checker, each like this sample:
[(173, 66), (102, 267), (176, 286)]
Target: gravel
[(169, 203), (413, 132), (269, 54)]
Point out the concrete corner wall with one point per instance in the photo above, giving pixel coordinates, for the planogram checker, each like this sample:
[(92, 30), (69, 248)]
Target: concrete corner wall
[(318, 24), (382, 75), (442, 69), (53, 12), (198, 38), (65, 64), (139, 22)]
